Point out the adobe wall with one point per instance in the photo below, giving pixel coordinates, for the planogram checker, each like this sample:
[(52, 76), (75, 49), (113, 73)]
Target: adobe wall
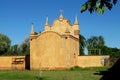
[(46, 52), (92, 61), (12, 62), (52, 51)]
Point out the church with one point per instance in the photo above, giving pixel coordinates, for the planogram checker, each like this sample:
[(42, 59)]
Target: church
[(57, 47)]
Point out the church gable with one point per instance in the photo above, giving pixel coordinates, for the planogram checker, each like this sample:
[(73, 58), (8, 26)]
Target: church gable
[(56, 46), (61, 24)]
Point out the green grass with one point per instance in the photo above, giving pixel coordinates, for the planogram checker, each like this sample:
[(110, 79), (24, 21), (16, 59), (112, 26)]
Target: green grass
[(72, 74)]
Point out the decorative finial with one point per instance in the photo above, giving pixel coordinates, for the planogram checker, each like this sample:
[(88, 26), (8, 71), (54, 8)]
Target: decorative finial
[(46, 21), (61, 16), (76, 20), (32, 29)]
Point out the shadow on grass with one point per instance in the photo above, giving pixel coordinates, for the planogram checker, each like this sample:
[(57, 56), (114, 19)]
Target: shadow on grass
[(40, 78), (112, 73)]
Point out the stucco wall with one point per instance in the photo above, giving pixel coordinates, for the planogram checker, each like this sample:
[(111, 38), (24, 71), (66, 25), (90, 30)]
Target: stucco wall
[(91, 61), (51, 50), (12, 62), (46, 51)]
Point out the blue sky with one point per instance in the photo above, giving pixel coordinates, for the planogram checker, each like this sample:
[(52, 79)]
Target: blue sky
[(16, 17)]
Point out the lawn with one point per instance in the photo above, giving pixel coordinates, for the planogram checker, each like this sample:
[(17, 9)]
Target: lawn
[(73, 74)]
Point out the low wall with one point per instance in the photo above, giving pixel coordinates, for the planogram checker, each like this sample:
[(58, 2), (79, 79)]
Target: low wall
[(12, 62), (22, 62), (92, 61)]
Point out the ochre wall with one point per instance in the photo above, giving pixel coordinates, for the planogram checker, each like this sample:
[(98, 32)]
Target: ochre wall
[(91, 61), (12, 62), (57, 61), (51, 50), (45, 51)]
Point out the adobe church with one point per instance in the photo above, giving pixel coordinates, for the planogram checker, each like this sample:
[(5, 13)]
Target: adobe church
[(57, 47)]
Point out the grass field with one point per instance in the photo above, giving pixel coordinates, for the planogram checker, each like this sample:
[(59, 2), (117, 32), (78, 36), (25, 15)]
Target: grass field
[(73, 74)]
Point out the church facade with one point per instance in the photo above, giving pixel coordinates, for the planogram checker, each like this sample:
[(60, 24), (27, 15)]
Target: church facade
[(57, 47)]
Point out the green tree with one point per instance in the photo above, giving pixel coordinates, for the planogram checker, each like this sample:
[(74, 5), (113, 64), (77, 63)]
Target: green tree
[(5, 43), (14, 49), (82, 41), (115, 52), (25, 47), (98, 5), (95, 44)]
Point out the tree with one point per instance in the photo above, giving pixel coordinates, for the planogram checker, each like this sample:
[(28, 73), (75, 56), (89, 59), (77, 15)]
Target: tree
[(98, 5), (21, 49), (14, 49), (114, 52), (25, 47), (82, 44), (95, 44), (5, 43)]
